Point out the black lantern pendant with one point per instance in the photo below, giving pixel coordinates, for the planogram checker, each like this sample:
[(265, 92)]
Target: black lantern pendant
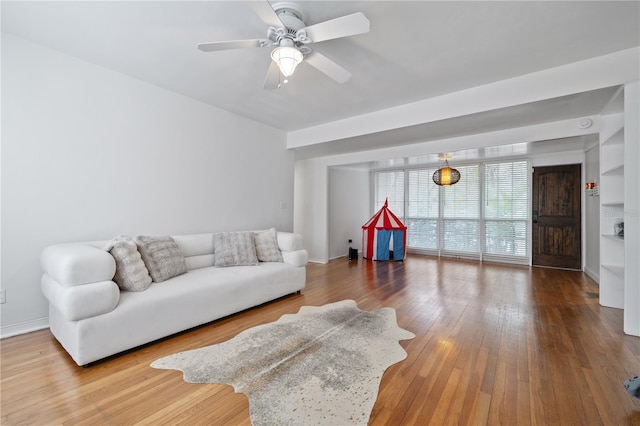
[(446, 175)]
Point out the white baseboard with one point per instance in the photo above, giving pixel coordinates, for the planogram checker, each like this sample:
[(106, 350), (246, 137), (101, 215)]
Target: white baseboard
[(23, 327), (593, 275)]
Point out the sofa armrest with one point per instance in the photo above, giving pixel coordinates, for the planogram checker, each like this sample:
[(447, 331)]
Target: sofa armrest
[(296, 258), (289, 241), (77, 264), (80, 302)]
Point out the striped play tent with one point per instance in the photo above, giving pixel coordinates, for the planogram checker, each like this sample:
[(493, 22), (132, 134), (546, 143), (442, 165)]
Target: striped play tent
[(384, 236)]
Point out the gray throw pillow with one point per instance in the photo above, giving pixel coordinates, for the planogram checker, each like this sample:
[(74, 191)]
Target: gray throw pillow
[(131, 274), (234, 249), (267, 246), (162, 256)]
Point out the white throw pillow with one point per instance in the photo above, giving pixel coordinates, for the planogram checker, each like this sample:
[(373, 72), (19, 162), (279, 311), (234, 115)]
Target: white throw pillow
[(131, 273), (267, 246), (162, 256), (234, 249)]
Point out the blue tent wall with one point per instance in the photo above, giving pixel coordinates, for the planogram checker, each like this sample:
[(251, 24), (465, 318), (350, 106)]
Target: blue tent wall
[(398, 244), (382, 252), (383, 239)]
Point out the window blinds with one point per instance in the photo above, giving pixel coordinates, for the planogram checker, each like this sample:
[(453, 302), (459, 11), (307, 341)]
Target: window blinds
[(460, 205), (390, 185), (422, 212), (506, 208)]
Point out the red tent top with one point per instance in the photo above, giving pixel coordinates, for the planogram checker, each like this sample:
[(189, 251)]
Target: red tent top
[(384, 219)]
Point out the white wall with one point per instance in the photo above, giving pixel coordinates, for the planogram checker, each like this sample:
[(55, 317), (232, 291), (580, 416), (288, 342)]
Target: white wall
[(88, 153), (349, 209), (311, 208), (592, 216), (558, 159)]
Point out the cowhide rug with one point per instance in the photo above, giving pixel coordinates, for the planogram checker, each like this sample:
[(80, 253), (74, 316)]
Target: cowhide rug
[(322, 365)]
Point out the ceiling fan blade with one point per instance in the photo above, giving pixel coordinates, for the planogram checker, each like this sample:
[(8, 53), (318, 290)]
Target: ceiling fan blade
[(264, 10), (344, 26), (234, 44), (272, 80), (327, 66)]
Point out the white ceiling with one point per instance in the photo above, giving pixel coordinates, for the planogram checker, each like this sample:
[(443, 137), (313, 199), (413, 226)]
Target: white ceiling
[(415, 50)]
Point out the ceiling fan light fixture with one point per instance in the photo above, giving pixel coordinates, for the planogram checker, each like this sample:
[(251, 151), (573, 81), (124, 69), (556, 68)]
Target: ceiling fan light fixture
[(446, 176), (287, 59)]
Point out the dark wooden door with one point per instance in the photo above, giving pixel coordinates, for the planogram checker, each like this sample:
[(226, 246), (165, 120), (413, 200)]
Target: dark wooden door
[(556, 206)]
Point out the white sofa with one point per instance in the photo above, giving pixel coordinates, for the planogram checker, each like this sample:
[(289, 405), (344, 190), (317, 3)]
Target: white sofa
[(93, 319)]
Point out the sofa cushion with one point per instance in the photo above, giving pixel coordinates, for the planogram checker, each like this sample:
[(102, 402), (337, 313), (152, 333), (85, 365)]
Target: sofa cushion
[(77, 263), (289, 242), (82, 301), (194, 244), (234, 249), (298, 258), (131, 273), (162, 257), (267, 246)]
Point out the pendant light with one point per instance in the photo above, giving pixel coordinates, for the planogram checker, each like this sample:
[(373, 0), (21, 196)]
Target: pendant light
[(287, 57), (445, 176)]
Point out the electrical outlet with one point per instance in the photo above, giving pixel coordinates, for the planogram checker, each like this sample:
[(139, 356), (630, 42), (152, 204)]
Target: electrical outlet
[(3, 296)]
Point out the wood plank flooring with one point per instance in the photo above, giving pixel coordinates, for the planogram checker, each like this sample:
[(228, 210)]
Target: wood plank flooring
[(495, 344)]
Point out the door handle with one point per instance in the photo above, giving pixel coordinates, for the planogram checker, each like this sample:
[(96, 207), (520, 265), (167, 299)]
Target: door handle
[(535, 216)]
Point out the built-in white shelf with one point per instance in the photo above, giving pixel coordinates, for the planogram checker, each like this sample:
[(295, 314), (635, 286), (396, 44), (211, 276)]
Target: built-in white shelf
[(620, 201), (612, 198), (617, 138), (617, 170), (616, 269), (613, 237), (619, 204), (613, 129)]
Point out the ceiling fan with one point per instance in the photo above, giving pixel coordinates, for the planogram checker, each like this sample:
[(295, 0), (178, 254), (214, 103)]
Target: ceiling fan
[(291, 38)]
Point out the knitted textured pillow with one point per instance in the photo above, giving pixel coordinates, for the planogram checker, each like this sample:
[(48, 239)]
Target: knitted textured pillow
[(162, 256), (267, 246), (131, 273), (234, 249)]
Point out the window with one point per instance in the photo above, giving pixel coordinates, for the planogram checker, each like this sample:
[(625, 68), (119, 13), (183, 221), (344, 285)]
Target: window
[(506, 209), (390, 185), (461, 213), (485, 214), (422, 212)]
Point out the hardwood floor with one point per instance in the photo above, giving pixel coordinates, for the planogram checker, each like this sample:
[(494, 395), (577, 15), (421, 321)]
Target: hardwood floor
[(495, 344)]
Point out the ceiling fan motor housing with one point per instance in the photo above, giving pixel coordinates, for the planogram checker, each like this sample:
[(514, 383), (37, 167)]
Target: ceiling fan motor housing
[(291, 22), (292, 34), (291, 16)]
